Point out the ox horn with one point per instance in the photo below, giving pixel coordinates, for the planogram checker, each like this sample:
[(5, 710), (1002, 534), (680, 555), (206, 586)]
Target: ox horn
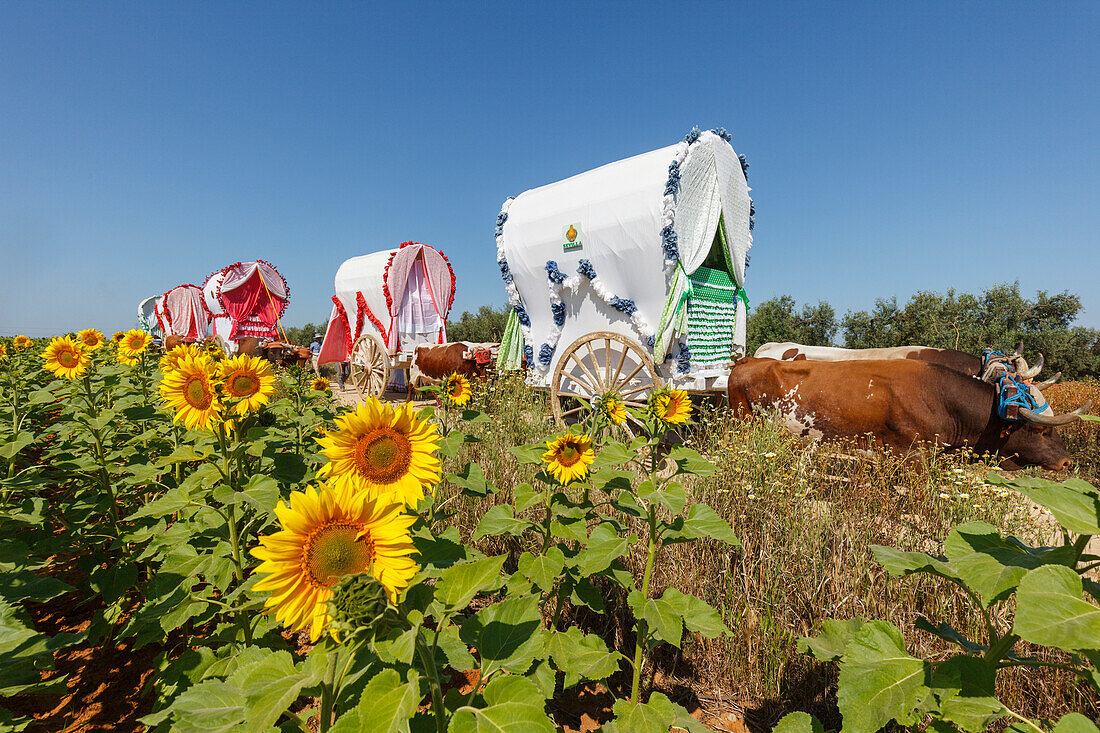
[(1019, 349), (1049, 383), (1023, 371), (1055, 421)]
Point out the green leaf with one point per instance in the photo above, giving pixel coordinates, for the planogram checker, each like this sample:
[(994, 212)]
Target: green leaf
[(269, 686), (662, 618), (529, 453), (691, 462), (655, 716), (1074, 503), (457, 653), (798, 723), (211, 707), (581, 656), (187, 452), (1075, 722), (965, 687), (829, 645), (946, 632), (21, 585), (574, 529), (900, 563), (604, 547), (701, 522), (262, 492), (499, 520), (460, 583), (505, 633), (697, 614), (15, 444), (543, 571), (386, 705), (879, 681), (472, 481), (1051, 611), (524, 497), (612, 454)]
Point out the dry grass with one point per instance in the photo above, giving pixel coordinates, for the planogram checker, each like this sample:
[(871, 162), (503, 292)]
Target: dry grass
[(1082, 438), (806, 516)]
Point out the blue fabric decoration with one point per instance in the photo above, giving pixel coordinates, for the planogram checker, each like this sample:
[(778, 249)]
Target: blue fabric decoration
[(505, 271), (672, 187), (748, 260), (558, 309), (651, 341), (585, 268), (521, 314), (501, 218), (721, 132), (744, 165), (623, 305), (1022, 398), (554, 273), (752, 215), (693, 135), (683, 359), (528, 354), (545, 353), (668, 243)]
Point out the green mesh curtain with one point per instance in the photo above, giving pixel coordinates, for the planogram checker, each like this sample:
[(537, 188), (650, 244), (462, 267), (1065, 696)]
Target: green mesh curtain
[(712, 312)]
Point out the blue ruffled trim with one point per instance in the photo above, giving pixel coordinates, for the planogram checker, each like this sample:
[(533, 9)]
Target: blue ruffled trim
[(748, 259), (683, 359), (585, 268), (672, 186), (501, 218), (528, 354), (651, 341), (545, 353), (752, 215), (558, 309), (505, 271), (623, 305), (744, 165), (669, 242), (554, 273), (521, 314), (721, 132), (693, 135)]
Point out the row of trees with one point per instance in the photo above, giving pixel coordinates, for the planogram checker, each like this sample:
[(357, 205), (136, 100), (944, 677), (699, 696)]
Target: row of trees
[(999, 317)]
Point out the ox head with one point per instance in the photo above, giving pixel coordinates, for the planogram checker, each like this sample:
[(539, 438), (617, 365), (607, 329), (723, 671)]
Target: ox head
[(1034, 439)]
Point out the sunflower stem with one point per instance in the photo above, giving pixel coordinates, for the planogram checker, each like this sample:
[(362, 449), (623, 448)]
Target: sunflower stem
[(642, 626), (427, 658), (328, 692)]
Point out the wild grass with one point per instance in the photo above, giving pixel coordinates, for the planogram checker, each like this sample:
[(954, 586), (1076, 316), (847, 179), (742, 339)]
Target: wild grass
[(807, 516), (1081, 438)]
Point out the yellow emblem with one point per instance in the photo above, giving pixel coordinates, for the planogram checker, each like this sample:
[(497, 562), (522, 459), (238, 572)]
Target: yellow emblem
[(571, 234)]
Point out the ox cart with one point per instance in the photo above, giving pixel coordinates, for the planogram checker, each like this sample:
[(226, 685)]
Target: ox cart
[(386, 304), (630, 276)]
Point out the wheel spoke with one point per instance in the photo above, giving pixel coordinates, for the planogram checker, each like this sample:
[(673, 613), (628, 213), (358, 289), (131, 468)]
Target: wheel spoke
[(619, 369), (636, 390), (595, 364), (624, 382), (580, 362), (570, 412)]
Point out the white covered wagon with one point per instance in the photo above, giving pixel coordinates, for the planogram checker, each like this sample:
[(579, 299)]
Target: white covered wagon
[(147, 315), (386, 304), (631, 275)]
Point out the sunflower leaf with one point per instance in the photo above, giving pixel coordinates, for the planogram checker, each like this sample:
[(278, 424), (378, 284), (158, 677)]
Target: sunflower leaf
[(459, 584)]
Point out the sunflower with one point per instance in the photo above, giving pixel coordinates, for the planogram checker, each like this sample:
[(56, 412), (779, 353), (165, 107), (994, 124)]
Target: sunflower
[(214, 351), (249, 380), (327, 534), (382, 450), (3, 351), (173, 356), (116, 339), (128, 360), (92, 338), (320, 384), (66, 358), (456, 389), (22, 342), (611, 405), (671, 406), (192, 391), (568, 457), (134, 342)]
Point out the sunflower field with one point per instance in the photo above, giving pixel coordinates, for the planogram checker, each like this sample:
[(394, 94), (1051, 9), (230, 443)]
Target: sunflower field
[(293, 568)]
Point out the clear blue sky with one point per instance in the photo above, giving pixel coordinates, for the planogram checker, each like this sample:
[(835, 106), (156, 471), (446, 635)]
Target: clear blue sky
[(894, 146)]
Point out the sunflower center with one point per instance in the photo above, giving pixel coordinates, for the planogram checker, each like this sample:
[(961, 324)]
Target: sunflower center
[(383, 455), (68, 359), (197, 394), (243, 385), (568, 455), (332, 551)]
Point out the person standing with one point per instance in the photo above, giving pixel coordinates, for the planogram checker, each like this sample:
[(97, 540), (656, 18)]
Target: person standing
[(315, 351)]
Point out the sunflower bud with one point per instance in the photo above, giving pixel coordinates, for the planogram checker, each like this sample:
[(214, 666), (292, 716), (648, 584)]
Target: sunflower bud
[(361, 604)]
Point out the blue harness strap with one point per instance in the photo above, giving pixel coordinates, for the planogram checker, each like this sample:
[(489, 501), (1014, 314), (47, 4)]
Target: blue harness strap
[(1012, 394), (988, 354)]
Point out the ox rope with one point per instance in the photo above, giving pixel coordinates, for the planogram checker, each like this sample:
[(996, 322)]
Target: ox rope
[(1012, 394)]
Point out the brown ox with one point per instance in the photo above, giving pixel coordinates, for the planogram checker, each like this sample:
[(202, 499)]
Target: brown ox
[(897, 403), (431, 364), (960, 361)]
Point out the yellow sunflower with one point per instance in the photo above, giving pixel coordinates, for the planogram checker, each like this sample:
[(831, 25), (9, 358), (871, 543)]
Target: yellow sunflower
[(66, 358), (326, 535), (249, 380), (173, 356), (214, 351), (568, 457), (92, 338), (22, 342), (382, 450), (116, 339), (672, 406), (134, 342), (320, 384), (456, 389), (3, 351), (611, 404), (128, 360), (192, 390)]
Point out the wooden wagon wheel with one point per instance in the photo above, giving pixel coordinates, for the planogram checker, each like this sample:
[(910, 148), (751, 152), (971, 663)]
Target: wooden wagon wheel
[(599, 363), (370, 366)]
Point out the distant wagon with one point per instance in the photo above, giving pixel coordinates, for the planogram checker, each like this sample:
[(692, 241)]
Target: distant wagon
[(386, 304), (630, 276), (147, 315), (181, 314), (249, 301)]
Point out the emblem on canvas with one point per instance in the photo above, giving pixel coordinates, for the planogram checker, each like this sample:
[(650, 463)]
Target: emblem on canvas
[(571, 236)]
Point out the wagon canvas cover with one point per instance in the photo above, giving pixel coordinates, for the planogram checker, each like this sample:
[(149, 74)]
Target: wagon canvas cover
[(181, 312), (622, 248), (254, 296)]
